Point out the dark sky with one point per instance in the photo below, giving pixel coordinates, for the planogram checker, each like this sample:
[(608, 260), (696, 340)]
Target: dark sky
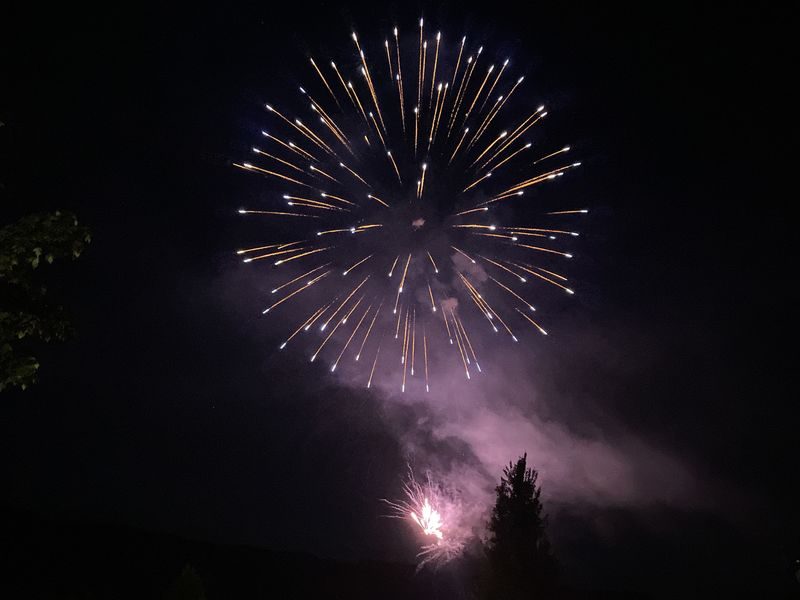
[(171, 411)]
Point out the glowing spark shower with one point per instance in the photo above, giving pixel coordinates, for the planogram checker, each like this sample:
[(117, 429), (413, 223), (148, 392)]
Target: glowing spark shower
[(420, 213), (429, 519), (436, 513)]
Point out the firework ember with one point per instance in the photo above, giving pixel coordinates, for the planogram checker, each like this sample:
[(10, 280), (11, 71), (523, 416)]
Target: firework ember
[(399, 207), (429, 519)]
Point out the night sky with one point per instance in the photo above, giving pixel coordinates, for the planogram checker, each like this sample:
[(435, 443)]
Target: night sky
[(171, 410)]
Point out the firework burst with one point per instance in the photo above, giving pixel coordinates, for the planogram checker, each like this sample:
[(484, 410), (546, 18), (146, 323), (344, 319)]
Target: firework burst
[(391, 232), (435, 513)]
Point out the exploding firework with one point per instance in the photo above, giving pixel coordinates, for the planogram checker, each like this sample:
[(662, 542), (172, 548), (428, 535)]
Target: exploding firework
[(392, 235), (435, 513)]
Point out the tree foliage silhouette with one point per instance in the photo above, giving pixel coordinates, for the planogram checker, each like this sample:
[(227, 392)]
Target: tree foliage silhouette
[(27, 314), (186, 586), (520, 559)]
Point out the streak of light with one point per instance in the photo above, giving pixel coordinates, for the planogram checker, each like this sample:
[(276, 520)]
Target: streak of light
[(433, 262), (377, 129), (472, 260), (366, 73), (344, 85), (461, 141), (458, 61), (249, 167), (298, 278), (405, 272), (358, 101), (342, 304), (476, 182), (447, 325), (469, 345), (310, 252), (354, 174), (424, 61), (298, 125), (389, 59), (334, 328), (502, 197), (543, 278), (532, 120), (569, 212), (435, 112), (503, 236), (466, 80), (416, 128), (534, 323), (280, 160), (491, 89), (325, 81), (458, 343), (377, 200), (484, 125), (291, 146), (279, 246), (340, 199), (438, 117), (394, 164), (403, 359), (314, 320), (504, 268), (323, 173), (413, 340), (338, 358), (489, 147), (299, 329), (513, 293), (549, 250), (493, 113), (278, 213), (546, 156), (425, 353), (369, 330), (419, 67), (362, 261), (457, 100), (435, 64), (308, 202), (274, 253), (297, 291), (478, 93), (375, 362), (393, 265), (399, 318), (400, 82), (510, 156), (472, 210), (561, 277), (550, 175)]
